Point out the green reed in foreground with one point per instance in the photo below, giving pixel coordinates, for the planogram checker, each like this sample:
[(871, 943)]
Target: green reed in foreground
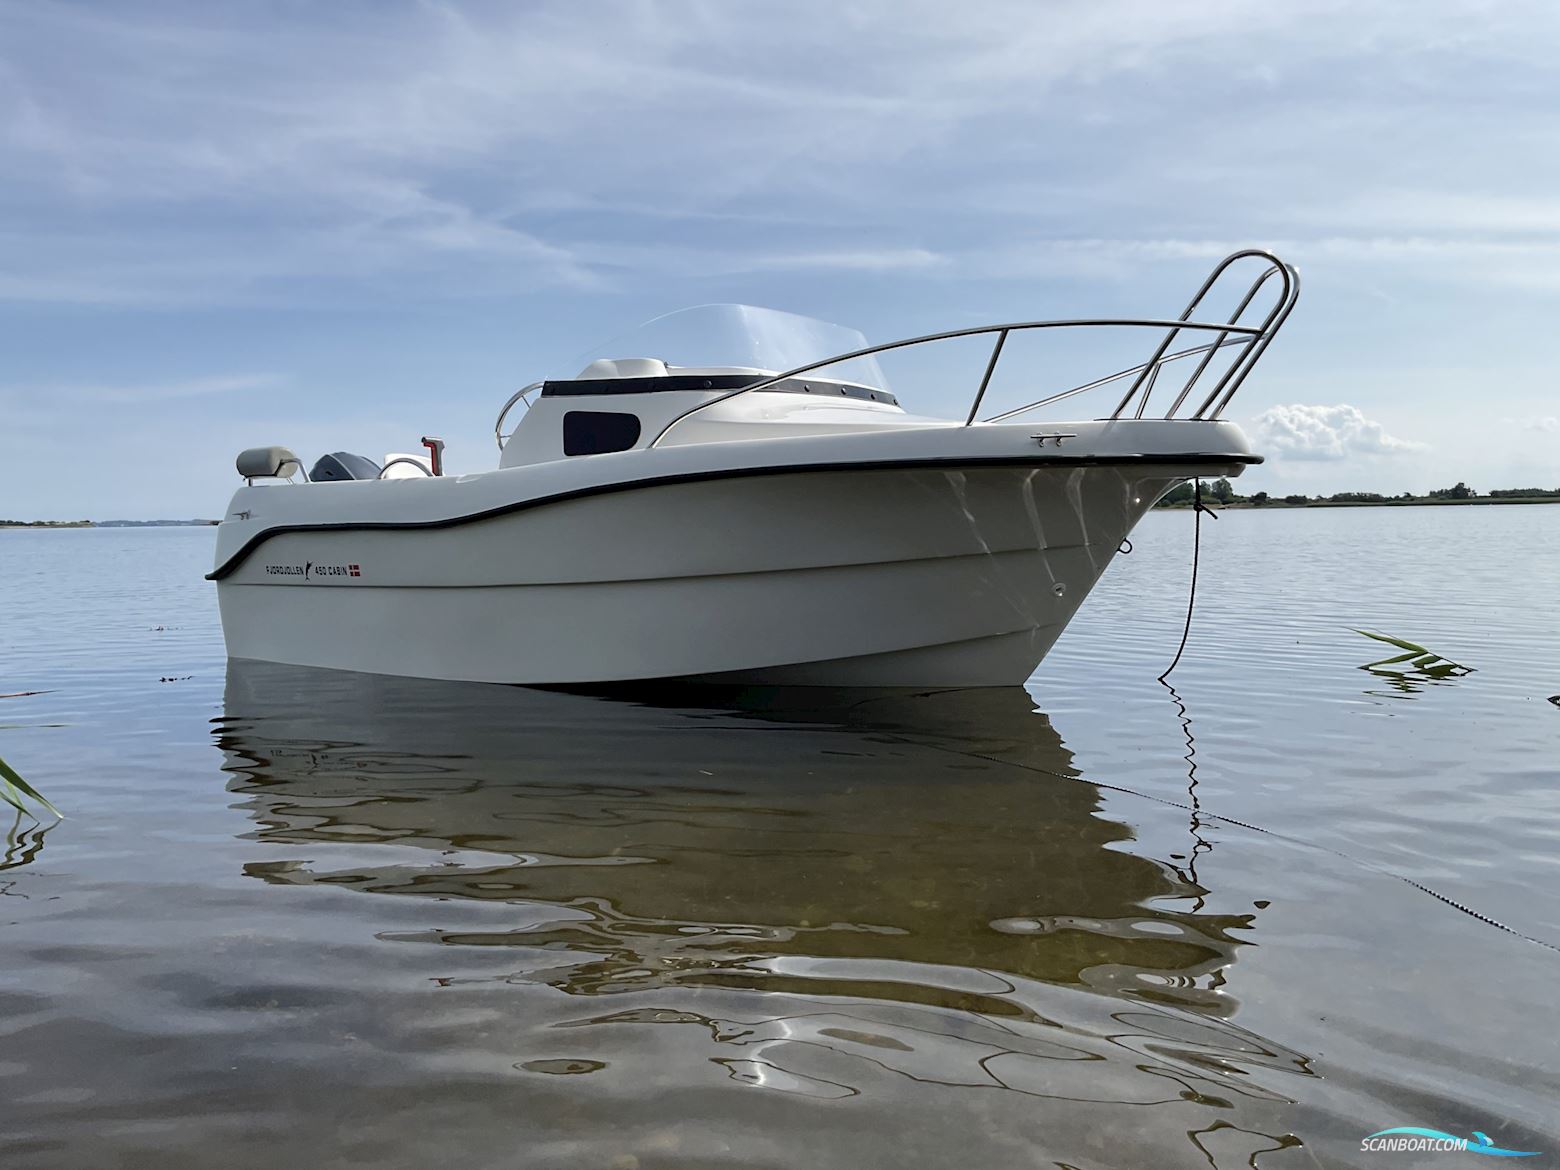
[(13, 790)]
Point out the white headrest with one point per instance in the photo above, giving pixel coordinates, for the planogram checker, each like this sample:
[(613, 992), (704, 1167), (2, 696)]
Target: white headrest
[(624, 368)]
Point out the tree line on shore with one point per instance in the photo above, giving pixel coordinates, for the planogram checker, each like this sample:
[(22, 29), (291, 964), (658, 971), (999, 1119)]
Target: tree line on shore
[(106, 523), (1221, 491)]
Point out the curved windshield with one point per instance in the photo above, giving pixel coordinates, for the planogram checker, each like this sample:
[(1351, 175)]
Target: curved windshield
[(744, 337)]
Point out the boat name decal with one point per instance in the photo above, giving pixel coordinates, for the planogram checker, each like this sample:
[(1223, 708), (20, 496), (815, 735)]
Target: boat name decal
[(309, 570)]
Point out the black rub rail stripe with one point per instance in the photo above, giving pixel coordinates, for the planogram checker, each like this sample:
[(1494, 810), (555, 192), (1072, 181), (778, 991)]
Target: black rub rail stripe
[(951, 463), (665, 383)]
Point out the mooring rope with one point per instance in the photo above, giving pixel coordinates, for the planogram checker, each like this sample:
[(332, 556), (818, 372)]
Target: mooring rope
[(1198, 508)]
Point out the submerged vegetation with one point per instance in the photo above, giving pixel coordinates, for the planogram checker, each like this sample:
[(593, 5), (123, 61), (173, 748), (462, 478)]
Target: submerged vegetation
[(1415, 658)]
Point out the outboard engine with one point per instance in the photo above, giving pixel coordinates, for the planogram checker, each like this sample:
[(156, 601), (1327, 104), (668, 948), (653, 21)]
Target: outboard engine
[(343, 465)]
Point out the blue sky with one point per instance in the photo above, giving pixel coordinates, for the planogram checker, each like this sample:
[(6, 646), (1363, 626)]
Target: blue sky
[(345, 225)]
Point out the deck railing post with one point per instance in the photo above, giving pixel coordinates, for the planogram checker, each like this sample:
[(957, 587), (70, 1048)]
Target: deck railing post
[(996, 352)]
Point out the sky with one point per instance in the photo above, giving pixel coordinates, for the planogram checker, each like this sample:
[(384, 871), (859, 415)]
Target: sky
[(346, 225)]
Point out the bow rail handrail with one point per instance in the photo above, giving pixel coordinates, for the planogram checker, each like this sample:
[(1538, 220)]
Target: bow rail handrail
[(1193, 351), (1253, 338), (503, 412)]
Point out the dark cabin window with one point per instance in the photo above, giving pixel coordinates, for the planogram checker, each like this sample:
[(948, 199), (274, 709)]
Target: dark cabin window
[(595, 432)]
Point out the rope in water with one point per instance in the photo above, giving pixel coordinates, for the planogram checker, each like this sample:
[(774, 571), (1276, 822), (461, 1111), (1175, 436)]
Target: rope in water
[(1198, 508)]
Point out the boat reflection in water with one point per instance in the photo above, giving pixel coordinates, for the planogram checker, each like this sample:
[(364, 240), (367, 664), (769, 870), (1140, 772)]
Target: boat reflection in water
[(819, 888)]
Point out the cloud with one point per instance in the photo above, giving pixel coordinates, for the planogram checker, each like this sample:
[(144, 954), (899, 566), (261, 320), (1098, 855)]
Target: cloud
[(883, 260), (1302, 431), (143, 392), (1478, 213), (523, 178), (1544, 424), (191, 154)]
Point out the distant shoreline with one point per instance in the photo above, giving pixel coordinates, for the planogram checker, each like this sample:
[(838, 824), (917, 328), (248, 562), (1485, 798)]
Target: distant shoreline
[(22, 525), (1247, 505)]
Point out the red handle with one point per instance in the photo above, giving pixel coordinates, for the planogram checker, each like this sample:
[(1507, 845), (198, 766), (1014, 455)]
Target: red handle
[(435, 447)]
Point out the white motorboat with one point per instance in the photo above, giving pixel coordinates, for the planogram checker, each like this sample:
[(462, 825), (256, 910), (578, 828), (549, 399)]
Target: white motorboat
[(744, 500)]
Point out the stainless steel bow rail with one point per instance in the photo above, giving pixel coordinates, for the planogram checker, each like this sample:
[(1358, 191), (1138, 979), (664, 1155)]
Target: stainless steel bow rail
[(517, 396), (1249, 342)]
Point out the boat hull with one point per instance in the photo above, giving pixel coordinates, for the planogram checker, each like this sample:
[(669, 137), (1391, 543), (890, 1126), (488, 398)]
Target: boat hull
[(909, 577)]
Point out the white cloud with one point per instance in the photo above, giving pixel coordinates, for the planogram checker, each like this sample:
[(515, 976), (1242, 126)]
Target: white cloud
[(1544, 424), (214, 155), (117, 394), (1301, 431), (893, 163), (1467, 213), (881, 260)]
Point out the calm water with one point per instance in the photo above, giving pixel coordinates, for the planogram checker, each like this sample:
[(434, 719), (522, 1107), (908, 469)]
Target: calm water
[(313, 919)]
